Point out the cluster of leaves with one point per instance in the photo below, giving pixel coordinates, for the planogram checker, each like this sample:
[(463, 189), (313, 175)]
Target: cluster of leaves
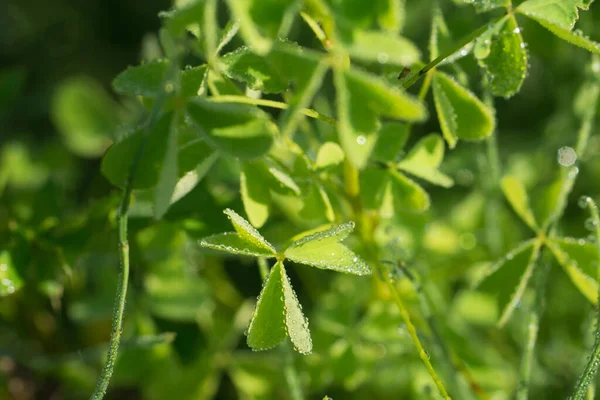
[(293, 112)]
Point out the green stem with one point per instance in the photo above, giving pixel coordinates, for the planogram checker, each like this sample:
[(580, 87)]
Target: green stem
[(591, 368), (119, 309), (273, 104), (459, 45)]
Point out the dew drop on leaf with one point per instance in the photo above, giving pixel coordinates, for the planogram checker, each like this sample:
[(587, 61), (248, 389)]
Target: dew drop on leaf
[(361, 140), (583, 201), (590, 224), (566, 156)]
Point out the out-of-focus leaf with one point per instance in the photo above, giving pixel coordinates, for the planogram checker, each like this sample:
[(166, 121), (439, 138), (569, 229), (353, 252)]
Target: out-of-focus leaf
[(517, 197), (167, 177), (390, 141), (177, 298), (562, 13), (143, 80), (10, 279), (506, 64), (405, 194), (255, 194), (85, 116), (324, 250), (236, 129), (485, 5), (461, 114), (330, 154), (424, 159)]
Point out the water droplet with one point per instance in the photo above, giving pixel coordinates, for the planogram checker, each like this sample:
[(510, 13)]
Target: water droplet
[(573, 173), (510, 256), (383, 58), (3, 267), (583, 201), (596, 66), (518, 304), (361, 140), (169, 87), (517, 30), (566, 156), (355, 259), (523, 45), (590, 224), (7, 282), (463, 52), (581, 242)]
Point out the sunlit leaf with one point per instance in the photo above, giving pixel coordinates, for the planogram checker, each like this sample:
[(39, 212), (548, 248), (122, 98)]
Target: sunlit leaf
[(330, 154), (234, 243), (562, 13), (461, 114), (517, 197), (247, 231), (324, 250), (268, 326), (295, 321), (424, 159), (255, 193)]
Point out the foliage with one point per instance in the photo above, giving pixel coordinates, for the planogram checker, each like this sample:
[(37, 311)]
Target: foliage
[(450, 259)]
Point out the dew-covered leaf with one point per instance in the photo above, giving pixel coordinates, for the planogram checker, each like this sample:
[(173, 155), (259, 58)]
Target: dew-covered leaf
[(261, 21), (295, 321), (378, 46), (256, 71), (236, 129), (234, 243), (143, 80), (361, 100), (424, 159), (268, 326), (461, 114), (10, 279), (506, 63), (324, 250), (85, 116), (563, 13), (507, 279), (517, 197), (117, 160), (579, 259), (247, 231), (576, 37)]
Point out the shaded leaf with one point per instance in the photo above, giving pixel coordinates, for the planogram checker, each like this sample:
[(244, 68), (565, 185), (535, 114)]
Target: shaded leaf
[(574, 37), (177, 298), (143, 80), (167, 177), (10, 279), (405, 194), (324, 250), (390, 141), (461, 114)]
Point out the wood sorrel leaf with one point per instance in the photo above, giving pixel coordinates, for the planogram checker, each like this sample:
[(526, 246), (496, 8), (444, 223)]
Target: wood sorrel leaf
[(424, 159), (517, 197), (168, 174), (506, 63), (295, 321), (236, 129), (268, 325), (579, 258), (324, 250), (508, 278), (247, 231), (461, 114)]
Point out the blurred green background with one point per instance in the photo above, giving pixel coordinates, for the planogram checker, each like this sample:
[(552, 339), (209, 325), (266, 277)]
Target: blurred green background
[(187, 309)]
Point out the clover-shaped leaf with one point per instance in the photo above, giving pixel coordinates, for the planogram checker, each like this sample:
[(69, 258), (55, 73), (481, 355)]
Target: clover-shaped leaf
[(461, 114)]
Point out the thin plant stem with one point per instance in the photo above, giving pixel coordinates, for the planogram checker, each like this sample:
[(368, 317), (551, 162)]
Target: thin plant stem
[(119, 309), (273, 104)]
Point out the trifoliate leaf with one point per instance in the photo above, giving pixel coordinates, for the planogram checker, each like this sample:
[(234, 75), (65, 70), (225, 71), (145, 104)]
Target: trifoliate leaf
[(143, 80), (461, 114), (247, 231), (236, 129), (324, 250), (424, 159), (508, 278), (168, 174), (506, 64), (10, 279), (268, 325), (517, 197), (295, 321), (578, 258)]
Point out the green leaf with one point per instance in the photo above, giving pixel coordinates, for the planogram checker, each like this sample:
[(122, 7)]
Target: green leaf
[(168, 175), (461, 114), (562, 13), (440, 35), (193, 80), (117, 160), (177, 298), (405, 194), (324, 250), (85, 116), (378, 46), (517, 197), (508, 278), (579, 259), (255, 193), (236, 129), (361, 100), (574, 37), (10, 279), (235, 243), (247, 231), (391, 15), (330, 154), (424, 159), (143, 80), (506, 64), (390, 141), (186, 18), (485, 5), (261, 21), (268, 325), (295, 321)]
